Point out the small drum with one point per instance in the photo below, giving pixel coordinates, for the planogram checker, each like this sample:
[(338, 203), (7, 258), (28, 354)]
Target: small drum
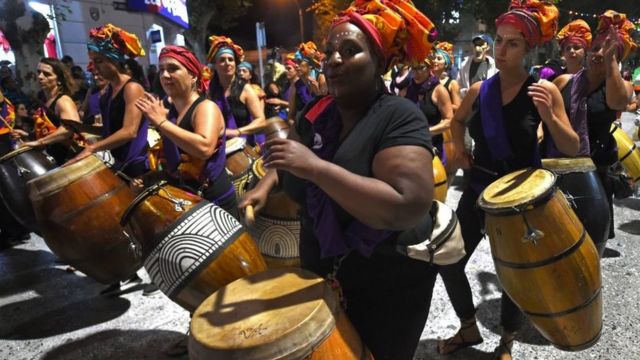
[(628, 152), (240, 157), (544, 257), (277, 227), (449, 148), (278, 314), (440, 186), (190, 247), (579, 181), (78, 208), (276, 128), (16, 169)]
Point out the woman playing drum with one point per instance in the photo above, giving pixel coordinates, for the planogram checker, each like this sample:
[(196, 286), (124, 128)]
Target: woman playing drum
[(575, 41), (310, 83), (503, 114), (359, 163), (192, 129)]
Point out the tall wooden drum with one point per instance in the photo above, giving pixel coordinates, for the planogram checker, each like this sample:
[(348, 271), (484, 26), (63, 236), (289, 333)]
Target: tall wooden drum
[(240, 157), (78, 208), (190, 247), (440, 186), (277, 227), (278, 314), (628, 152), (449, 147), (544, 257)]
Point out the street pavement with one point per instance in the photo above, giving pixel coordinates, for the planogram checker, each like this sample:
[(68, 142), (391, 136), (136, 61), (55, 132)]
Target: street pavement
[(49, 313)]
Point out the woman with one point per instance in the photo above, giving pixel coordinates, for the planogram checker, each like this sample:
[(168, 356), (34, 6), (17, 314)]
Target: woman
[(575, 41), (91, 106), (192, 129), (311, 82), (24, 123), (441, 66), (58, 87), (359, 163), (433, 99), (502, 146), (240, 105), (246, 73)]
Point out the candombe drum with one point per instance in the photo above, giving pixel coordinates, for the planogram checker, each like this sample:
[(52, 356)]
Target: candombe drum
[(278, 314), (544, 257), (190, 247), (448, 146), (238, 164), (628, 152), (78, 208), (277, 227), (16, 169), (579, 181), (440, 186)]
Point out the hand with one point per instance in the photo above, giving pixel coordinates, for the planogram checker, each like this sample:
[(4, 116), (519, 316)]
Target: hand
[(136, 185), (611, 46), (88, 150), (152, 108), (273, 101), (18, 133), (256, 197), (461, 160), (542, 99), (291, 156)]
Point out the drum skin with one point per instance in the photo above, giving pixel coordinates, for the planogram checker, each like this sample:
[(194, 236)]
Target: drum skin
[(78, 208), (190, 247), (628, 152), (16, 169), (278, 314), (578, 180), (440, 186), (554, 280)]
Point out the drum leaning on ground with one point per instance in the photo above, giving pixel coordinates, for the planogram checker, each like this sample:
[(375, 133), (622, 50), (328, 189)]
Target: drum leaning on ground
[(190, 247), (240, 157), (78, 208), (278, 314), (544, 257), (578, 180), (16, 169), (277, 227), (440, 186), (628, 152)]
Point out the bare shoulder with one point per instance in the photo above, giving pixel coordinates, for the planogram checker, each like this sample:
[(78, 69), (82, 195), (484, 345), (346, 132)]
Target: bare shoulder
[(133, 89), (474, 90), (562, 80)]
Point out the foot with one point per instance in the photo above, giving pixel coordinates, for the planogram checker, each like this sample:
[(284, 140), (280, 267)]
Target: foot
[(150, 290), (503, 351), (130, 282), (111, 289), (468, 335)]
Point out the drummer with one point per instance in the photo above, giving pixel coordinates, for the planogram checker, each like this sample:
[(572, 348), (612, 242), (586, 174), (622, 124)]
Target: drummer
[(574, 40), (380, 182), (502, 114), (192, 129), (124, 130), (239, 103), (310, 81), (58, 86)]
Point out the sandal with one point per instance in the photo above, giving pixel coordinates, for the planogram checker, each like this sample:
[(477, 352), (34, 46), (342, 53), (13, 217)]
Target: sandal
[(503, 351), (457, 341)]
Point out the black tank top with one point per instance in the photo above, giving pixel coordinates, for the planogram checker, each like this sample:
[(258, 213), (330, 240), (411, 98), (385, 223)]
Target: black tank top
[(431, 111), (51, 111), (600, 117)]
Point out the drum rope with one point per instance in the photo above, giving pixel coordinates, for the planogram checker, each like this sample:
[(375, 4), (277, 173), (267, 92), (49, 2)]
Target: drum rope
[(179, 204), (332, 278)]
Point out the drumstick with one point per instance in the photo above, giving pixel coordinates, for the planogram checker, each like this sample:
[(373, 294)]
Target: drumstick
[(249, 215), (6, 123)]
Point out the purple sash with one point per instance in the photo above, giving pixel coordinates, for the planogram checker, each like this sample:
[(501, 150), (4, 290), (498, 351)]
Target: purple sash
[(492, 119), (303, 92)]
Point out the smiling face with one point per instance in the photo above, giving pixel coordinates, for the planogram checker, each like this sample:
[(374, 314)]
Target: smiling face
[(175, 79), (510, 48), (439, 63), (226, 65), (47, 78), (350, 66)]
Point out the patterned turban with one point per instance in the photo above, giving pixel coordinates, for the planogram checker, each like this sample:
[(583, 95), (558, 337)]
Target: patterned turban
[(222, 44), (537, 20), (575, 32), (185, 57), (445, 49), (309, 52), (114, 43), (399, 31), (623, 28)]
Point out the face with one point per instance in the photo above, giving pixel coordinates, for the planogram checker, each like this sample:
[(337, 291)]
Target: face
[(439, 64), (46, 77), (510, 47), (304, 68), (226, 65), (174, 78), (244, 74), (104, 66), (291, 71), (99, 80), (349, 66), (573, 53), (421, 72), (595, 58), (21, 111), (480, 49)]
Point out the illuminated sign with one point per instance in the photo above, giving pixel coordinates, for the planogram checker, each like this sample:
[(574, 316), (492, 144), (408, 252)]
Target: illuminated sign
[(174, 10)]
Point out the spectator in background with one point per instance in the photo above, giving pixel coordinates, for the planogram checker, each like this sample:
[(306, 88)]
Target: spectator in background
[(478, 67), (23, 122), (136, 72), (81, 84), (10, 89), (152, 73), (68, 61)]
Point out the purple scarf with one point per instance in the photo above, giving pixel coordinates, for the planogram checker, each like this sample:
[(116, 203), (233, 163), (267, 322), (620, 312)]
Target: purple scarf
[(217, 95), (491, 115), (333, 238), (303, 92), (415, 90)]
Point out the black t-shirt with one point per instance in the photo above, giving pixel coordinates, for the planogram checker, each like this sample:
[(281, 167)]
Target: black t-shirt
[(478, 71)]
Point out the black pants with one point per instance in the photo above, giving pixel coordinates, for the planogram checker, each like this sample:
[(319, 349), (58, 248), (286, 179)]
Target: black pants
[(454, 277), (388, 296), (607, 184)]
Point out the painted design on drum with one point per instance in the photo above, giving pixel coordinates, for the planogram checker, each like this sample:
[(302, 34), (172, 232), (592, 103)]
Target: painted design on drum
[(200, 235), (276, 237), (242, 182)]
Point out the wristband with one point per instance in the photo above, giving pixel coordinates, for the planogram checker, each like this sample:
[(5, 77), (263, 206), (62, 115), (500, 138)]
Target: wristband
[(160, 124)]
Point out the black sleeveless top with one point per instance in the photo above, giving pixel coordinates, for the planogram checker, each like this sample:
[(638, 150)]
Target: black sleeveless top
[(51, 111), (186, 121), (431, 111), (599, 118)]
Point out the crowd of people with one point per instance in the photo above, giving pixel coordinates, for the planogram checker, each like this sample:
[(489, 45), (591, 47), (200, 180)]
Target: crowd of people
[(367, 115)]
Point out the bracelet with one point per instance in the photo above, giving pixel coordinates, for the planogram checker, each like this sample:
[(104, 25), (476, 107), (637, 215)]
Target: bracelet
[(239, 132), (160, 124)]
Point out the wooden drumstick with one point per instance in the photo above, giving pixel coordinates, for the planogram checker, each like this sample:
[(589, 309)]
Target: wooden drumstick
[(249, 215)]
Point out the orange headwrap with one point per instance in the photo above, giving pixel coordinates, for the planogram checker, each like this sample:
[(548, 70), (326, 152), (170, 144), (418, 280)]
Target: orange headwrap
[(400, 32), (218, 43), (575, 32), (115, 43), (537, 20), (446, 50), (622, 26), (309, 52)]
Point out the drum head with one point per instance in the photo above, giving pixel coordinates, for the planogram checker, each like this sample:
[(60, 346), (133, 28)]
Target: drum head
[(234, 144), (569, 165), (15, 153), (258, 168), (517, 190), (59, 178), (276, 314)]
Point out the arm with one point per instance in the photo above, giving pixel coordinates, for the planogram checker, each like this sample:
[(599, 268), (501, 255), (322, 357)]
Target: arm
[(256, 109), (548, 101), (65, 109), (618, 91), (443, 102), (456, 99), (292, 104), (459, 125)]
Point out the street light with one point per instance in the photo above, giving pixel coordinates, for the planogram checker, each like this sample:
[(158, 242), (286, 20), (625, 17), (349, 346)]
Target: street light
[(301, 19)]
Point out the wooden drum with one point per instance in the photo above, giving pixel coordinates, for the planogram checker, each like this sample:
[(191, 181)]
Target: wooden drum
[(278, 314), (277, 227), (544, 257), (190, 247), (628, 152), (240, 157), (449, 147), (440, 186), (78, 208)]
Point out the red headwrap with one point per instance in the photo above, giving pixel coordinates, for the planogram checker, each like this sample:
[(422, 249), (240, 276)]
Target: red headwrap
[(188, 60), (536, 20)]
